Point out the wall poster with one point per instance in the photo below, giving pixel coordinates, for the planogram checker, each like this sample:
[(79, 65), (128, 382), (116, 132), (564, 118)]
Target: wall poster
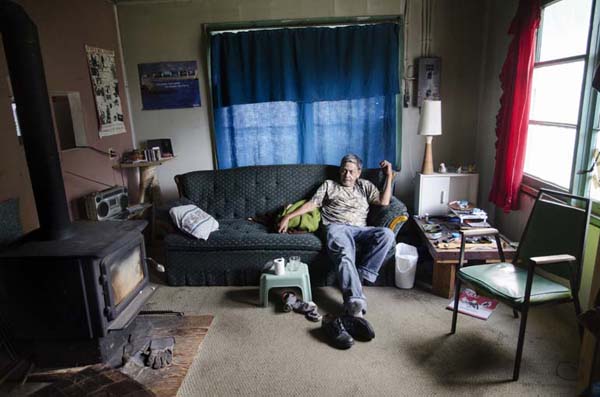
[(169, 85), (106, 90)]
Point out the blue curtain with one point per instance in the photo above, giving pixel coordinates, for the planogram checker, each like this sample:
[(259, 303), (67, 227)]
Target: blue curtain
[(307, 95)]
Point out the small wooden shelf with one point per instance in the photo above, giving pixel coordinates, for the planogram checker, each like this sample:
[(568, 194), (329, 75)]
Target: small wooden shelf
[(141, 164)]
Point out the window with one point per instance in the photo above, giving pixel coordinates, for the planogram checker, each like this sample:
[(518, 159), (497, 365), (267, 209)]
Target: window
[(13, 106), (68, 119), (594, 176), (305, 94), (556, 100)]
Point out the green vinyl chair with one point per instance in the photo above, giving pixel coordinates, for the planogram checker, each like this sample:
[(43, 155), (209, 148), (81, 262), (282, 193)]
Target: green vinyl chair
[(546, 268)]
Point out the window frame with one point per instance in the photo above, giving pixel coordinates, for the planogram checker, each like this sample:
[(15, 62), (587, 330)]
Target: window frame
[(585, 133)]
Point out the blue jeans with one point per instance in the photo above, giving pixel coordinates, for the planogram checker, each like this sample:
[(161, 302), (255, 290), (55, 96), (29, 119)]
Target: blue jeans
[(375, 243)]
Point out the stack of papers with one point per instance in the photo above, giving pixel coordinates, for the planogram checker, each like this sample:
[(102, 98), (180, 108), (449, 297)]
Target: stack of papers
[(468, 214)]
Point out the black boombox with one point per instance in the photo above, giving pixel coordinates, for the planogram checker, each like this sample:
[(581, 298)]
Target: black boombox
[(106, 203)]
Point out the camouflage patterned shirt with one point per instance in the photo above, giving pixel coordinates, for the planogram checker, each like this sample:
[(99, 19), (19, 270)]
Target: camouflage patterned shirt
[(345, 205)]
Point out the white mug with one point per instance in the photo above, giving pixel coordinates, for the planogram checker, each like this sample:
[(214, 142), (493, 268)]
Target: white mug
[(279, 266)]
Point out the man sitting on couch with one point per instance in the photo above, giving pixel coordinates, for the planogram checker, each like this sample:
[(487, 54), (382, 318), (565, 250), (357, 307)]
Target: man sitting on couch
[(344, 209)]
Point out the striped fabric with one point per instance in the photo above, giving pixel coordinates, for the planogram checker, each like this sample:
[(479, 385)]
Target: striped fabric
[(192, 220)]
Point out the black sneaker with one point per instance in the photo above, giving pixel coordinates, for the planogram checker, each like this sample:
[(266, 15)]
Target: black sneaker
[(358, 327), (336, 333)]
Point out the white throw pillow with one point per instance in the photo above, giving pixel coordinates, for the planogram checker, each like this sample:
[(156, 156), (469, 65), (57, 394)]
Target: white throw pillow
[(192, 220)]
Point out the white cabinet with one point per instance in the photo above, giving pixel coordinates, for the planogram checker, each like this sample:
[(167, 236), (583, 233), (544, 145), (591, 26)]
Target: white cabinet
[(434, 191)]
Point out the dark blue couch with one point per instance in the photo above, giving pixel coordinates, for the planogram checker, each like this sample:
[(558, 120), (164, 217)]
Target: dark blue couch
[(236, 254)]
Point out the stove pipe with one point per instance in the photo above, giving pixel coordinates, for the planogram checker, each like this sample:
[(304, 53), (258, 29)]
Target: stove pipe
[(24, 59)]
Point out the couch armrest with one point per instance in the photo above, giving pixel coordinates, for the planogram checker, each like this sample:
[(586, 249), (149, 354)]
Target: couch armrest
[(393, 216)]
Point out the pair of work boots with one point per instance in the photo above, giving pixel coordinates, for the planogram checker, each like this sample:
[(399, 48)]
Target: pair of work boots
[(342, 331)]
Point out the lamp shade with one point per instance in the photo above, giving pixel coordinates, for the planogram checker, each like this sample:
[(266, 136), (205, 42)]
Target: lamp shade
[(430, 122)]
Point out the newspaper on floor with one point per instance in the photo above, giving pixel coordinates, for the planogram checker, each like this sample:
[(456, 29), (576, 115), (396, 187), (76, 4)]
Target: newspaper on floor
[(474, 305)]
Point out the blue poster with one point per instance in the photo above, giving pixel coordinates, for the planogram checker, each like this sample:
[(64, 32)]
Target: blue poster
[(169, 85)]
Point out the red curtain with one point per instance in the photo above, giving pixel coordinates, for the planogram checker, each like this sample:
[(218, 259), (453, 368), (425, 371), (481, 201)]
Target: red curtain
[(513, 117)]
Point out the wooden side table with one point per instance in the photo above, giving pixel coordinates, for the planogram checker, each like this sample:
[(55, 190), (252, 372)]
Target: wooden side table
[(149, 188), (445, 258)]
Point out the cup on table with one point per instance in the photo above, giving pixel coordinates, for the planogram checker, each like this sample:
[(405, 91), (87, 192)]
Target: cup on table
[(279, 266), (293, 263)]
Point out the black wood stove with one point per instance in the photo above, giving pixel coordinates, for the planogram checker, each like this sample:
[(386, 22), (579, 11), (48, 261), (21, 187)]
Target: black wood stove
[(70, 301), (68, 290)]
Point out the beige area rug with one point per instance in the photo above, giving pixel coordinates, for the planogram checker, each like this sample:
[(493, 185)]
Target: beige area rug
[(255, 351)]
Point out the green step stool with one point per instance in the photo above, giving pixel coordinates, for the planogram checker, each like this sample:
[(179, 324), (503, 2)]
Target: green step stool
[(298, 278)]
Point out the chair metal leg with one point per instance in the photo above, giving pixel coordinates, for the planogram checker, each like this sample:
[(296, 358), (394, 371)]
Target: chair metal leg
[(455, 311), (576, 304), (520, 343), (577, 312), (593, 368), (515, 313)]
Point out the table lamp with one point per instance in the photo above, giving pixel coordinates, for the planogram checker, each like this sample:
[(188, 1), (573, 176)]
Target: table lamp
[(430, 124)]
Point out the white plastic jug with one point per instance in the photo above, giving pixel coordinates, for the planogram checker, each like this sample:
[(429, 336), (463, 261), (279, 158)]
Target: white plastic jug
[(406, 265)]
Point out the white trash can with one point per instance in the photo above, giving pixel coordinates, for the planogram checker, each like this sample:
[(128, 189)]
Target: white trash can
[(406, 265)]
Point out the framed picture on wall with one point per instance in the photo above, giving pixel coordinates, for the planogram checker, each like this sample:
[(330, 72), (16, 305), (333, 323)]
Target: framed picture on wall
[(169, 85)]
